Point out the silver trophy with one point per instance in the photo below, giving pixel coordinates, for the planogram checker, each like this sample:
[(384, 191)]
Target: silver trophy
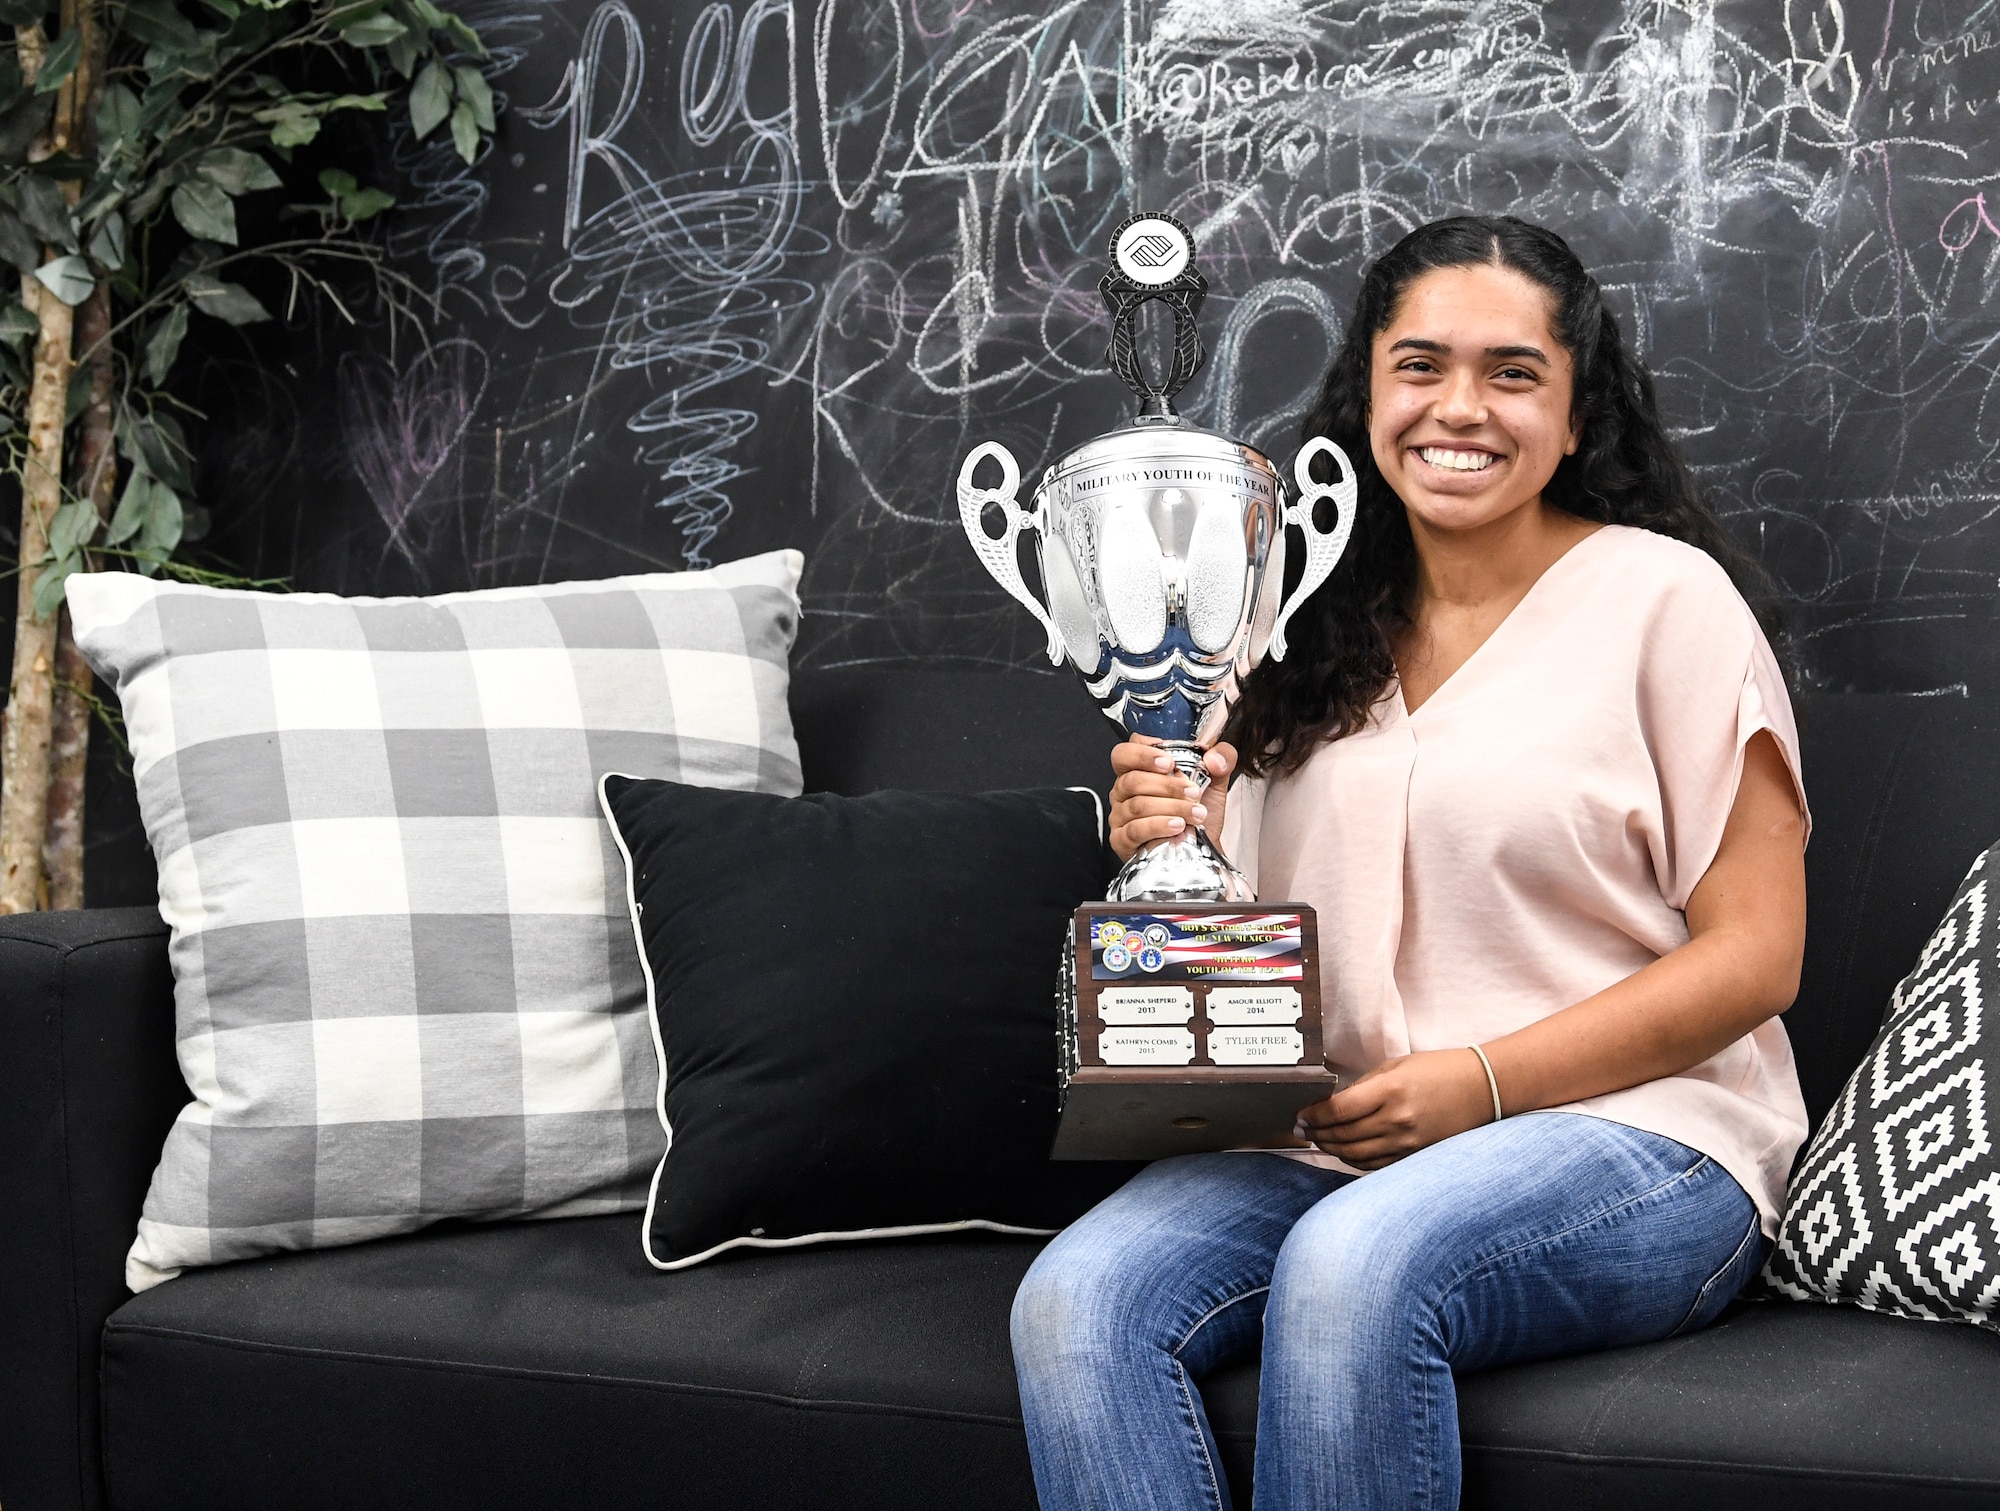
[(1162, 550)]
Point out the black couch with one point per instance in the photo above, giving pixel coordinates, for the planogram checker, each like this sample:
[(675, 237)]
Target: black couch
[(544, 1364)]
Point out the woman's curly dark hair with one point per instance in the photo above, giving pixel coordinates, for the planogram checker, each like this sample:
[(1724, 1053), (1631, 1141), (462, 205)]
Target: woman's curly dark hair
[(1625, 471)]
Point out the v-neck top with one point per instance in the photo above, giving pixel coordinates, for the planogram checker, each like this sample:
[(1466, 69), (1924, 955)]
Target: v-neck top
[(1530, 835)]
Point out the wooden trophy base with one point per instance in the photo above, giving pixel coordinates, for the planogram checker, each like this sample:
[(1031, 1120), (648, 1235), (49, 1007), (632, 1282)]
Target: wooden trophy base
[(1188, 1027)]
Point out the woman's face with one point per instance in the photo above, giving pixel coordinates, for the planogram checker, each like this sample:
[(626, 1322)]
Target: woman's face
[(1469, 398)]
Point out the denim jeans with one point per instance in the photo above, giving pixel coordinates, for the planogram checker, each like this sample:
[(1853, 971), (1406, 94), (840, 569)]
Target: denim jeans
[(1552, 1233)]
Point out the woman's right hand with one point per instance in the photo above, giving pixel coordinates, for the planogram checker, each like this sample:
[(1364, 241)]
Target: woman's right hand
[(1151, 800)]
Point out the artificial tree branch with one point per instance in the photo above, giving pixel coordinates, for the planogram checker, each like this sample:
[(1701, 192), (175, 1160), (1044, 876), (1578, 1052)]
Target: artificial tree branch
[(25, 745), (96, 478)]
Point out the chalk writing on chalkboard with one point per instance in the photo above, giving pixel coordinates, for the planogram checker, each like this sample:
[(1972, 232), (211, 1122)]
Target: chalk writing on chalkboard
[(737, 275)]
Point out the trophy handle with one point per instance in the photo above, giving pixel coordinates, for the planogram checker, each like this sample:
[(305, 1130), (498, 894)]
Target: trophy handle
[(1000, 556), (1322, 550)]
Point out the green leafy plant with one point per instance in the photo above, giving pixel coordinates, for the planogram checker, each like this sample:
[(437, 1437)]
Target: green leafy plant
[(131, 132)]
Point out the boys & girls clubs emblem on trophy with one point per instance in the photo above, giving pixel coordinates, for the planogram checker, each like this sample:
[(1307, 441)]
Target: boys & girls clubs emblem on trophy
[(1190, 1012)]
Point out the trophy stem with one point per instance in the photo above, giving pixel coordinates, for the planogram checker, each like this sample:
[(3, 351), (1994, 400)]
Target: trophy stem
[(1189, 867)]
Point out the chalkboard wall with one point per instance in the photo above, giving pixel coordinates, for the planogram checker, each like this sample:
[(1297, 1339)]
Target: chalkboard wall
[(749, 274)]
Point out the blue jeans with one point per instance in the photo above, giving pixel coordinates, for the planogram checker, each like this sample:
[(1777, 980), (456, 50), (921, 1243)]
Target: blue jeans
[(1552, 1233)]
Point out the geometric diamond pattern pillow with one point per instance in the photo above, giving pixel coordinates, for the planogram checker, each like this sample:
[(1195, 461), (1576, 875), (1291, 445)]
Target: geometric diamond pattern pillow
[(405, 982), (1896, 1206)]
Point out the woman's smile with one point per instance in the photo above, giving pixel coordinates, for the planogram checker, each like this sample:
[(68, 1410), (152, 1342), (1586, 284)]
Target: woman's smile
[(1457, 458)]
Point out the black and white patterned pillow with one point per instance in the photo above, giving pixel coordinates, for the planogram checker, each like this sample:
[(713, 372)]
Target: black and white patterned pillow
[(405, 986), (1896, 1207)]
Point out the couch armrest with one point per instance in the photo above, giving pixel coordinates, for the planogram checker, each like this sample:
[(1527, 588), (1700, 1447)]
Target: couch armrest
[(88, 1087)]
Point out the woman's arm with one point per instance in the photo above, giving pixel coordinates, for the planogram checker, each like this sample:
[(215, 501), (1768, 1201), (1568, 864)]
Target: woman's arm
[(1746, 923)]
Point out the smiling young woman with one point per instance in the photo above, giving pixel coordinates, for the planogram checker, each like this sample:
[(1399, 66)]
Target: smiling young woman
[(1533, 762)]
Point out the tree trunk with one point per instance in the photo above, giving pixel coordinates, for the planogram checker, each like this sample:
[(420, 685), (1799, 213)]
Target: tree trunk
[(69, 756), (24, 757), (95, 478), (28, 735)]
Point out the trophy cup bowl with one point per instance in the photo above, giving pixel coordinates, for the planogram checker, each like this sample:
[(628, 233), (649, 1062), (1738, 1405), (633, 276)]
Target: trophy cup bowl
[(1162, 552)]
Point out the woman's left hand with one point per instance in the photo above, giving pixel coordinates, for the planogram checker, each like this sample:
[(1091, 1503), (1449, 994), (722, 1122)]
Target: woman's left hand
[(1399, 1107)]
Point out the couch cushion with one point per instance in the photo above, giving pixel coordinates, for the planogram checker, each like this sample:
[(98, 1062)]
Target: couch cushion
[(865, 728), (1906, 795), (1779, 1406), (88, 1088), (546, 1364)]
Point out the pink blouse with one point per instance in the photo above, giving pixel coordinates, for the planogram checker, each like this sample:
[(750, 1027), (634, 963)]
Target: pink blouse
[(1530, 835)]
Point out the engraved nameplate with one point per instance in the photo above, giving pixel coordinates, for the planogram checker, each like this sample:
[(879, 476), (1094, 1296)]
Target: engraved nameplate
[(1146, 1046), (1273, 1005), (1146, 1004), (1256, 1046)]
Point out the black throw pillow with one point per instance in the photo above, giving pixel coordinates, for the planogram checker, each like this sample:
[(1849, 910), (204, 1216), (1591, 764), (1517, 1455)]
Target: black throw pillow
[(854, 1005)]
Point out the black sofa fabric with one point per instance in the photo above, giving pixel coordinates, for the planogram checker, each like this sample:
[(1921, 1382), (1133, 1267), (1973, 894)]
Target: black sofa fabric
[(545, 1364), (88, 1088)]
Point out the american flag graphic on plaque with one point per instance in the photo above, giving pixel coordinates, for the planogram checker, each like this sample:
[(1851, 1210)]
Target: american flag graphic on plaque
[(1207, 946)]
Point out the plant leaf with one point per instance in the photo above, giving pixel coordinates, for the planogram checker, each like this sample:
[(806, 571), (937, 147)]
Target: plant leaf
[(22, 123), (51, 584), (236, 171), (464, 35), (68, 278), (229, 302), (117, 118), (430, 99), (403, 55), (133, 506), (473, 89), (158, 24), (154, 443), (294, 131), (16, 322), (337, 181), (365, 204), (147, 200), (45, 211), (107, 243), (163, 344), (347, 12), (373, 31), (23, 12), (464, 131), (205, 211), (16, 245), (70, 531), (60, 61), (162, 530), (76, 394)]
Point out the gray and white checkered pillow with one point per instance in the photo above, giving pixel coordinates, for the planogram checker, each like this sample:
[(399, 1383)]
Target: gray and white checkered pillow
[(405, 984)]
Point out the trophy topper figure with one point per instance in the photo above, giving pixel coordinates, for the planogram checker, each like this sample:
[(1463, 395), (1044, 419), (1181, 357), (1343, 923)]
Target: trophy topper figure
[(1162, 552)]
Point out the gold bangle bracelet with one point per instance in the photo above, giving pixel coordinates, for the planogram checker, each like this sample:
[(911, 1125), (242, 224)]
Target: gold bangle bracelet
[(1491, 1084)]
